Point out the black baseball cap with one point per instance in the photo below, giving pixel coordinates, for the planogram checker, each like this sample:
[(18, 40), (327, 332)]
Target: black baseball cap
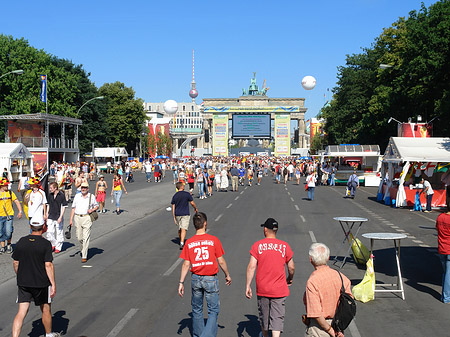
[(270, 223)]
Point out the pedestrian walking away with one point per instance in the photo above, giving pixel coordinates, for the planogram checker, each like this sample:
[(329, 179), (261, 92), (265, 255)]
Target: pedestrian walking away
[(323, 289), (7, 215), (57, 204), (203, 254), (353, 184), (443, 229), (269, 258), (83, 205), (35, 278), (180, 210)]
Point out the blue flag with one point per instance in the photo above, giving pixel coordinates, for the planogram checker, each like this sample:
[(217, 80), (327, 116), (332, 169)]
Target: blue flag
[(44, 88)]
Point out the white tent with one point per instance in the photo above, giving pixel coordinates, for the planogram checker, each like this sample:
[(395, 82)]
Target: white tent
[(16, 158), (110, 152), (408, 150), (403, 149)]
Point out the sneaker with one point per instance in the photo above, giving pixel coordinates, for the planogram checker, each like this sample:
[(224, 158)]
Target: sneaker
[(9, 249), (2, 250), (57, 251), (181, 245)]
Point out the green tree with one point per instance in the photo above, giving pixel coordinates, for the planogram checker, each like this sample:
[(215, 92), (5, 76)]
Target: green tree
[(164, 144), (125, 115)]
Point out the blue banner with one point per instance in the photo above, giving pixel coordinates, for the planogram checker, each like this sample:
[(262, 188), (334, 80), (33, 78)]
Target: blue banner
[(44, 88)]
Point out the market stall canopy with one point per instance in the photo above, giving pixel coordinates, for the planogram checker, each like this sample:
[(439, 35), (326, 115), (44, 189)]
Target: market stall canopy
[(110, 152), (402, 149), (14, 150), (352, 150)]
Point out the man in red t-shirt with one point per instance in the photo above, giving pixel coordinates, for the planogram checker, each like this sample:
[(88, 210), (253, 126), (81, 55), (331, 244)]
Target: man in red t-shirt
[(204, 254), (269, 257), (443, 229)]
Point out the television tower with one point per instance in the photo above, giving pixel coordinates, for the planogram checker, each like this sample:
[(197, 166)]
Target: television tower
[(193, 93)]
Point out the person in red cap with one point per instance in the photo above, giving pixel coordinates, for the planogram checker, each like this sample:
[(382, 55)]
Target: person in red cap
[(7, 216), (269, 257)]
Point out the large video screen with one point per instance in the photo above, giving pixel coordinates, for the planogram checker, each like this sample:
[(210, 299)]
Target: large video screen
[(251, 126)]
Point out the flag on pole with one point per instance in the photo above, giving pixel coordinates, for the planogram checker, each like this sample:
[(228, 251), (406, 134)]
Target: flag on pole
[(44, 88)]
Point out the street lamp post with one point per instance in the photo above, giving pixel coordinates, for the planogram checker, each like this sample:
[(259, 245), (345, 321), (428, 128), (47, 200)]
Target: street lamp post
[(99, 97), (16, 72)]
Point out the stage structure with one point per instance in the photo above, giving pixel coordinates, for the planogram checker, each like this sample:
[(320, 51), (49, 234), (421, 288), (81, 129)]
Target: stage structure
[(251, 116)]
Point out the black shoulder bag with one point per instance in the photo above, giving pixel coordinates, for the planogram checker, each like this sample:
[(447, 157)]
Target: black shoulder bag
[(345, 310)]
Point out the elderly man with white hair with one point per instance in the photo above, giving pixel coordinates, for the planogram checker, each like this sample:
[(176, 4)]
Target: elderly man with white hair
[(322, 293)]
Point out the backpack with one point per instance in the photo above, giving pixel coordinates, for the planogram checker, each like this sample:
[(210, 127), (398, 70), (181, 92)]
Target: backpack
[(345, 310)]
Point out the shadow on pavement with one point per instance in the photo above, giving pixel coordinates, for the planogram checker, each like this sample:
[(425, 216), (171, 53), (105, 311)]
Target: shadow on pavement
[(94, 251), (59, 324), (251, 326), (187, 324)]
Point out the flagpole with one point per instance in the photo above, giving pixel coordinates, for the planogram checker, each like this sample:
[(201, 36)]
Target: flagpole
[(46, 94)]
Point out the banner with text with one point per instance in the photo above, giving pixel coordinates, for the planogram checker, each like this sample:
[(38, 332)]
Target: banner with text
[(220, 135), (282, 134)]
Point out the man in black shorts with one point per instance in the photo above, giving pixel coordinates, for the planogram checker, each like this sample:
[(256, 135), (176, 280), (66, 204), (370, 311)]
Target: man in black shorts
[(35, 278)]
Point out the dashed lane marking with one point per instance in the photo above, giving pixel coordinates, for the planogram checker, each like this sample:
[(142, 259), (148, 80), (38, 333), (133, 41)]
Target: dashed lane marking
[(303, 218), (353, 329), (173, 267), (229, 205), (289, 193), (425, 246), (236, 198), (313, 237), (242, 192), (417, 241), (292, 199), (218, 218), (296, 207), (118, 328)]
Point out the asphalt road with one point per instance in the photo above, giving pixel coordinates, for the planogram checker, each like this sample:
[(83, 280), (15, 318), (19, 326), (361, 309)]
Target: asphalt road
[(129, 285)]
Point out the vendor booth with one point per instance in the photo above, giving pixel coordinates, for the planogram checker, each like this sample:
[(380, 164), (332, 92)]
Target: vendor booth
[(405, 161), (365, 159), (16, 158), (109, 154)]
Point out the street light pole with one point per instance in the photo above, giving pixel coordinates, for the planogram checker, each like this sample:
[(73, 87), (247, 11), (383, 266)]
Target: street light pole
[(16, 72), (99, 97)]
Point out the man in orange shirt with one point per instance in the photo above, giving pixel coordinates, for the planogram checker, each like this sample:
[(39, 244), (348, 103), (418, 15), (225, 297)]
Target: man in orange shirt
[(322, 293)]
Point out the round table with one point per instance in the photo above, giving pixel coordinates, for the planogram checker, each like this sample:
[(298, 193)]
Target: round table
[(396, 237), (347, 224)]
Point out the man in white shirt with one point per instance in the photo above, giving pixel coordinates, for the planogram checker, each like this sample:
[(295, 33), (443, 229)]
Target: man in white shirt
[(428, 190), (148, 171), (83, 205)]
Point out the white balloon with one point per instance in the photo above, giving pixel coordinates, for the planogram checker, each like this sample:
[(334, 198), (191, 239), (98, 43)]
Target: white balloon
[(170, 107), (308, 82)]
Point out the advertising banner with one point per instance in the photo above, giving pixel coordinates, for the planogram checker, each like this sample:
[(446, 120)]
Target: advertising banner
[(282, 134), (44, 88), (415, 130), (39, 160), (220, 135)]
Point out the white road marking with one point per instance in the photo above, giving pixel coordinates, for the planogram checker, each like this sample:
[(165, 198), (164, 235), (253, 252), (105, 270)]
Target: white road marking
[(303, 218), (236, 198), (353, 329), (116, 330), (173, 267), (245, 187), (292, 199), (217, 219), (242, 192), (394, 226), (289, 193), (296, 207), (86, 266), (411, 237), (425, 246), (229, 205), (417, 241), (313, 238), (399, 230)]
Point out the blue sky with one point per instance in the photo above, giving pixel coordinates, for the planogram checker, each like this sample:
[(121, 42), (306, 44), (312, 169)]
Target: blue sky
[(148, 44)]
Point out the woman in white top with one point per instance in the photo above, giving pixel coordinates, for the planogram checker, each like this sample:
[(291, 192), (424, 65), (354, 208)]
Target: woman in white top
[(224, 179), (311, 183)]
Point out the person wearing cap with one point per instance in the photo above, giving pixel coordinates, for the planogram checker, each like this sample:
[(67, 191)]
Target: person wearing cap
[(83, 204), (100, 192), (203, 254), (268, 257), (35, 277), (37, 202), (7, 215), (57, 204)]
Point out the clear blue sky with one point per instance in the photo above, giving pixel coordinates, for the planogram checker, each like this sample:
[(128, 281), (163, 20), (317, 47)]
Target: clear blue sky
[(148, 44)]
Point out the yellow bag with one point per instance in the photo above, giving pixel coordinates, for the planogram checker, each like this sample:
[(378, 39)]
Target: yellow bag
[(360, 254), (365, 290)]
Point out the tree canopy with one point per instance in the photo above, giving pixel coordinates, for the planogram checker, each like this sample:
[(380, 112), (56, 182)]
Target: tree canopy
[(417, 81), (68, 88)]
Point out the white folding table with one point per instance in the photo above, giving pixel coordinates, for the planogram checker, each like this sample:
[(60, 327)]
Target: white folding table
[(347, 224)]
